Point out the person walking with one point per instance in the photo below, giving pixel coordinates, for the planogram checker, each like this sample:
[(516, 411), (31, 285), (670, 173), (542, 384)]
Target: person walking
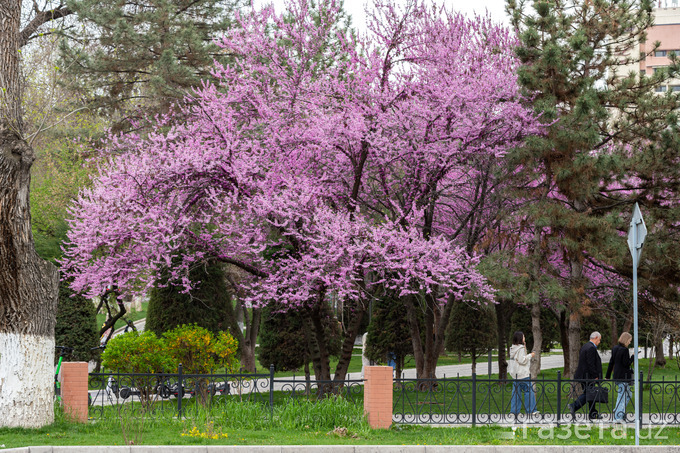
[(588, 371), (518, 368), (620, 365)]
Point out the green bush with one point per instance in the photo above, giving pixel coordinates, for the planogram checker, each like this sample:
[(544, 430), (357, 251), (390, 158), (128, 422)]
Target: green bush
[(207, 305), (287, 340), (135, 352), (76, 324), (199, 350), (471, 329), (389, 333)]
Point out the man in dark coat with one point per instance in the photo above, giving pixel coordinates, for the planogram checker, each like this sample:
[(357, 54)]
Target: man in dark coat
[(589, 369)]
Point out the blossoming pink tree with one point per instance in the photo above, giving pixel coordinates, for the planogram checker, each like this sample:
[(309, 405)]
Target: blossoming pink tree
[(322, 164)]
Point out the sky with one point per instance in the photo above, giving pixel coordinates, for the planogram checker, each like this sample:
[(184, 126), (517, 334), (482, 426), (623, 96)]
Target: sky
[(356, 8)]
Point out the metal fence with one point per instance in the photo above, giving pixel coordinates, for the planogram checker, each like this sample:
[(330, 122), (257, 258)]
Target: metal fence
[(474, 400), (183, 395), (461, 400)]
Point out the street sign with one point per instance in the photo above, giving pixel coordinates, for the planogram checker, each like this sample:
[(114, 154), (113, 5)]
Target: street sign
[(636, 234), (636, 239)]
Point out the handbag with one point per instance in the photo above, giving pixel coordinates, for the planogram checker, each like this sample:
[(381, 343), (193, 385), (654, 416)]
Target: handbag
[(513, 367), (596, 393)]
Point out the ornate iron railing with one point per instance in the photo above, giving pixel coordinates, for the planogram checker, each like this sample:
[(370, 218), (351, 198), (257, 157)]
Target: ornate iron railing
[(184, 395), (474, 400)]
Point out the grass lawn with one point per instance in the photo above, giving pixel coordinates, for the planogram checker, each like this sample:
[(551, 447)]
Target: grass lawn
[(187, 432)]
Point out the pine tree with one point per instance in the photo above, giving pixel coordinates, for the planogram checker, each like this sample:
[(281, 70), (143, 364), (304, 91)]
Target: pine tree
[(131, 55), (580, 175)]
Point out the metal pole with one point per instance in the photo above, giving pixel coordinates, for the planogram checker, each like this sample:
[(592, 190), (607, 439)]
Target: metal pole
[(635, 348), (490, 362)]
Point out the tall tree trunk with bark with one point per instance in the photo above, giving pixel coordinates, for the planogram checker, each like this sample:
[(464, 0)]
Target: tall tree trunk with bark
[(504, 309), (574, 334), (426, 353), (28, 285), (575, 313), (348, 342), (564, 339), (538, 339), (659, 358)]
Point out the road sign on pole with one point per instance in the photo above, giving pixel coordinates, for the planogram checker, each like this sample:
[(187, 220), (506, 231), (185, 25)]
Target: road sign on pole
[(636, 239)]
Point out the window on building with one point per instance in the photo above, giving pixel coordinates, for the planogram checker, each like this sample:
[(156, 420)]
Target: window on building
[(660, 53), (675, 87), (661, 89)]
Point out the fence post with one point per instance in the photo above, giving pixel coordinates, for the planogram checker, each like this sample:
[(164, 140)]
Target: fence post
[(642, 376), (180, 391), (271, 390), (474, 399), (559, 396), (74, 391), (378, 395)]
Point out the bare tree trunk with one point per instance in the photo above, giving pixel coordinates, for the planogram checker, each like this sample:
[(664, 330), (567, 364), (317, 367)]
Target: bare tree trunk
[(574, 341), (504, 309), (426, 353), (538, 339), (320, 339), (28, 285), (614, 329), (418, 353), (660, 359), (348, 343), (250, 340), (564, 339)]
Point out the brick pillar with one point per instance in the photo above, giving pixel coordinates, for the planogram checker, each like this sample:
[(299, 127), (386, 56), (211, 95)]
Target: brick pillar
[(74, 389), (378, 388)]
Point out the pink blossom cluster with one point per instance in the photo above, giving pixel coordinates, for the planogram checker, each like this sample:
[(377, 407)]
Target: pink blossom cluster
[(316, 164)]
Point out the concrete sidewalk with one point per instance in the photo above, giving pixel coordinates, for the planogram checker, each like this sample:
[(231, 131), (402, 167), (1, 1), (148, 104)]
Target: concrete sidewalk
[(465, 369), (353, 449)]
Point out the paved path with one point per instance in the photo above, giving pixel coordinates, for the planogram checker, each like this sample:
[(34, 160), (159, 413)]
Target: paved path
[(547, 362)]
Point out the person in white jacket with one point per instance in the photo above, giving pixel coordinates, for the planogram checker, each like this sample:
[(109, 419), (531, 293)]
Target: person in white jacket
[(518, 369)]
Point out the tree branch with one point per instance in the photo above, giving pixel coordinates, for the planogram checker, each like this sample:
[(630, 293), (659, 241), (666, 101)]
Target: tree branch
[(41, 18)]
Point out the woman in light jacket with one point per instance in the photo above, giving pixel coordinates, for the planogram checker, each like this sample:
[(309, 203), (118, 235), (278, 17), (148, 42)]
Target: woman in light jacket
[(620, 363), (518, 368)]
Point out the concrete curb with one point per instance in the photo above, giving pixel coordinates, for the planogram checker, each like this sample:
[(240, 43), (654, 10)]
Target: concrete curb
[(349, 449)]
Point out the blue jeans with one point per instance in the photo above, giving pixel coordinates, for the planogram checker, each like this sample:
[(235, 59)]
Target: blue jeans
[(625, 395), (522, 385)]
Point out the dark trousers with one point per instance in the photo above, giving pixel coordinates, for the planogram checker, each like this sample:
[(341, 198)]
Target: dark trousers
[(581, 400)]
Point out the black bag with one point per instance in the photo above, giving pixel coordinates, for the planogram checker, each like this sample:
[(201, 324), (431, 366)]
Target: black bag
[(596, 393)]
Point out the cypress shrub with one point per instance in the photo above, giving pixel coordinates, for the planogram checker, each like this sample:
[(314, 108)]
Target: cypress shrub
[(207, 305), (76, 324)]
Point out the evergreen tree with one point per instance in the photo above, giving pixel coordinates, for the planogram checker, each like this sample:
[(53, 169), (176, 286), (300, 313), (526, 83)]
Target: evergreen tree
[(208, 305), (76, 324), (287, 340), (471, 330), (604, 123), (283, 340), (389, 337), (130, 55)]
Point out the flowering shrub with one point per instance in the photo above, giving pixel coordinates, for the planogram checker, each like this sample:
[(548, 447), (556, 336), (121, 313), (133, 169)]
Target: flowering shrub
[(199, 350), (136, 352)]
